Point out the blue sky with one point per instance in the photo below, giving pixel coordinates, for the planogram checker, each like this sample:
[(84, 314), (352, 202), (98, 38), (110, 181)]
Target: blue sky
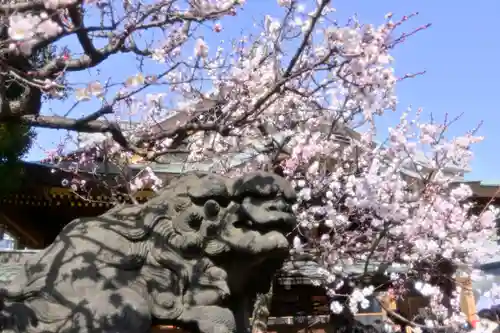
[(460, 52)]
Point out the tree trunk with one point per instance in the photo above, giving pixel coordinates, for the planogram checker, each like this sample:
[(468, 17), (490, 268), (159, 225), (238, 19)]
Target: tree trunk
[(261, 311)]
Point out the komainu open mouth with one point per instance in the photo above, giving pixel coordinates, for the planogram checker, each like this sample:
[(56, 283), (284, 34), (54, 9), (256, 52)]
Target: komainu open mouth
[(266, 215)]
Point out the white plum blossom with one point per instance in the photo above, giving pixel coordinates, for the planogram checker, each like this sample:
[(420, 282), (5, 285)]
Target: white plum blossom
[(201, 48), (284, 3), (159, 55), (336, 307), (27, 30), (55, 4)]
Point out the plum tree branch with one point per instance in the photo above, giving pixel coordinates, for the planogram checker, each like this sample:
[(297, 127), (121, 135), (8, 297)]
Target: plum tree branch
[(93, 57), (32, 5), (87, 45), (91, 124)]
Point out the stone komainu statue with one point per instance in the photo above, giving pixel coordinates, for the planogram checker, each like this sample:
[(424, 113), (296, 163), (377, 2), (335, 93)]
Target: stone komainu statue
[(182, 258)]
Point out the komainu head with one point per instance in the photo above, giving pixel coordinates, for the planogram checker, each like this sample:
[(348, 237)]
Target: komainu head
[(251, 214)]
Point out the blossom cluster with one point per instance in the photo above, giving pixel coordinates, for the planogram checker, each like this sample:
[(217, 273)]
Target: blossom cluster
[(26, 31), (396, 202)]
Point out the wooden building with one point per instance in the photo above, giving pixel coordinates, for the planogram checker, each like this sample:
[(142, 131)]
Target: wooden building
[(45, 203)]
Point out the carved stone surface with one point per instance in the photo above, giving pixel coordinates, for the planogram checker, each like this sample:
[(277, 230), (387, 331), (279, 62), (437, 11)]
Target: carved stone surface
[(186, 257)]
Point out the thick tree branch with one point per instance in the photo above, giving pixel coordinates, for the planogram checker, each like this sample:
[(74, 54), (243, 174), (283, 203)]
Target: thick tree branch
[(90, 124), (31, 5), (307, 37), (83, 125), (93, 56), (64, 123), (107, 109), (88, 47)]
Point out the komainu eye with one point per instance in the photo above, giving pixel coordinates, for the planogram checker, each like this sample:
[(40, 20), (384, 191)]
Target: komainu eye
[(211, 208)]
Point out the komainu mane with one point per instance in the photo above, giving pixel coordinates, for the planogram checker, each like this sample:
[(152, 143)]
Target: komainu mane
[(183, 258)]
